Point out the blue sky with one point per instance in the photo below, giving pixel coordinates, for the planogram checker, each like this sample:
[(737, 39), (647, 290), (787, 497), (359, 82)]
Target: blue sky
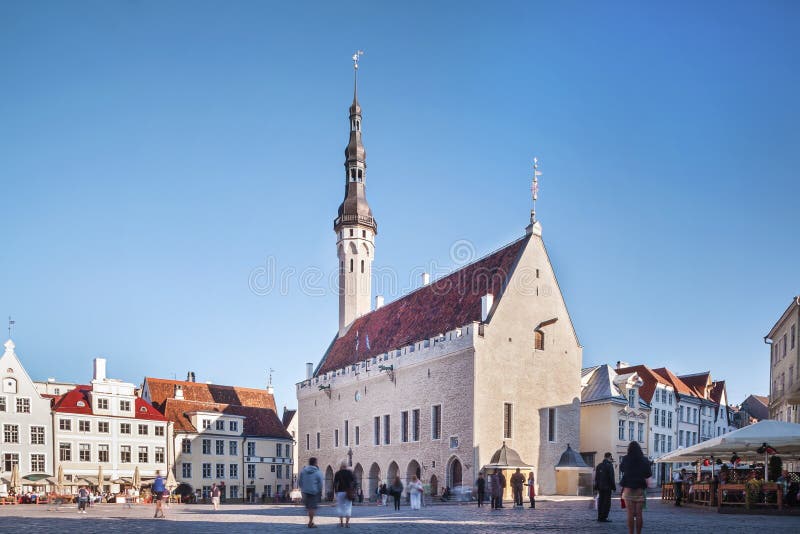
[(154, 155)]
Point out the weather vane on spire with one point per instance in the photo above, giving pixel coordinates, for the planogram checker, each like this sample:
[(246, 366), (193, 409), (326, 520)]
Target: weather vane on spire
[(535, 188), (11, 324), (356, 57)]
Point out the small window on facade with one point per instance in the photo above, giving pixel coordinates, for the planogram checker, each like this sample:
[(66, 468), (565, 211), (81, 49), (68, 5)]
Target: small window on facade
[(507, 420), (351, 263), (551, 424), (362, 266), (538, 340), (351, 232), (364, 234)]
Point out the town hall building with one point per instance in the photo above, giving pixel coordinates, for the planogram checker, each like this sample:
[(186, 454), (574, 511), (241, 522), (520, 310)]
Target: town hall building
[(436, 382)]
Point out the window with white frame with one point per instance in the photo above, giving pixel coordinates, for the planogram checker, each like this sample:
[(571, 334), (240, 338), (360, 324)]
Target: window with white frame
[(124, 405), (84, 426), (233, 471), (65, 452), (84, 452), (3, 404), (621, 430), (37, 435), (206, 470), (251, 470), (159, 455), (37, 463), (144, 455), (23, 405), (102, 404), (65, 425), (10, 433), (102, 453), (206, 446), (220, 470), (125, 454), (186, 470)]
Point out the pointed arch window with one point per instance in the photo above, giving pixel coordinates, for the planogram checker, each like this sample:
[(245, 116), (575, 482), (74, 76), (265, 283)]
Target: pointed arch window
[(538, 340)]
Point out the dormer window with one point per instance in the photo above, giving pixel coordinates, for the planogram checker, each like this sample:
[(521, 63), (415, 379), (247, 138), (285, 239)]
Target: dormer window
[(632, 398)]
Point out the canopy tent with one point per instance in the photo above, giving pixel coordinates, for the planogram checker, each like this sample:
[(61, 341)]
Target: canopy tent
[(783, 437), (506, 458)]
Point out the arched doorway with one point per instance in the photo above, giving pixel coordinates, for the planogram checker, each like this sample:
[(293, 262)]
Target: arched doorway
[(374, 479), (329, 483), (454, 473), (392, 472), (358, 475), (434, 485), (413, 469)]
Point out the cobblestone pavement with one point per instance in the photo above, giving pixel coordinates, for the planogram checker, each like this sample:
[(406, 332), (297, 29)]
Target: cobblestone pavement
[(552, 515)]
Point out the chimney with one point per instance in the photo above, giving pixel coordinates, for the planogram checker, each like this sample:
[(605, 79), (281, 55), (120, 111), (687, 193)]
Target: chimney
[(309, 370), (99, 368), (426, 279), (178, 392), (190, 376), (378, 301), (486, 305)]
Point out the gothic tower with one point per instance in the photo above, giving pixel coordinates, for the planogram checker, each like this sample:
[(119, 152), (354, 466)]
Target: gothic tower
[(354, 226)]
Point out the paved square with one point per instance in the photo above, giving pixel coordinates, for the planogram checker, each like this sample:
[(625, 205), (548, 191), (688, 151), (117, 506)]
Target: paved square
[(550, 515)]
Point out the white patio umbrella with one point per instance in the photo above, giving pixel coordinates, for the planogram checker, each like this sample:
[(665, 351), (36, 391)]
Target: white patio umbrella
[(100, 478), (60, 478), (781, 436), (137, 478)]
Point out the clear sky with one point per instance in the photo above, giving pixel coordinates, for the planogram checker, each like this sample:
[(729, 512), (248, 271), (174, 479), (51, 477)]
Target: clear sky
[(157, 158)]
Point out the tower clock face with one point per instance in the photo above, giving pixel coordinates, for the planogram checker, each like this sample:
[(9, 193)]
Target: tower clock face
[(358, 396)]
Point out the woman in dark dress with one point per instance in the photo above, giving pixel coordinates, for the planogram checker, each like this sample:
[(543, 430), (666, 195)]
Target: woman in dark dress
[(635, 472), (344, 484)]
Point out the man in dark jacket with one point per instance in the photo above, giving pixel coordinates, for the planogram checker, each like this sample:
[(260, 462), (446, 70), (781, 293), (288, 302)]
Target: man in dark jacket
[(480, 484), (604, 484)]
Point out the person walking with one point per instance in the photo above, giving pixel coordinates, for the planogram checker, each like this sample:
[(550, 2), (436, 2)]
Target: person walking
[(517, 483), (397, 492), (83, 498), (677, 485), (215, 493), (480, 485), (604, 485), (531, 489), (384, 494), (344, 486), (415, 491), (310, 482), (635, 472), (158, 494), (311, 486)]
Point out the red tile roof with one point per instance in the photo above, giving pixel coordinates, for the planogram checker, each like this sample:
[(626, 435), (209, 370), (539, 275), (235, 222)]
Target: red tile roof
[(261, 422), (716, 391), (650, 378), (161, 389), (70, 402), (697, 383), (448, 303), (680, 386)]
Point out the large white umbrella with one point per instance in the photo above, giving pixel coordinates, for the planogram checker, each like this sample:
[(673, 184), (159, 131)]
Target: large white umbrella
[(171, 482), (746, 442), (137, 478)]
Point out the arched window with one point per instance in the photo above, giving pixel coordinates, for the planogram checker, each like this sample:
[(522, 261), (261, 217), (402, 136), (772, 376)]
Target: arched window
[(538, 340), (351, 265)]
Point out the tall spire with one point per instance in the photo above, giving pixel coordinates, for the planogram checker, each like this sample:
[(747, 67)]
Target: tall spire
[(534, 226), (354, 208), (354, 225)]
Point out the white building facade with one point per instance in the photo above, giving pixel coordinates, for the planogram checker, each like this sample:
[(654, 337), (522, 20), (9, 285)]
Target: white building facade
[(106, 424), (784, 369), (27, 439)]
